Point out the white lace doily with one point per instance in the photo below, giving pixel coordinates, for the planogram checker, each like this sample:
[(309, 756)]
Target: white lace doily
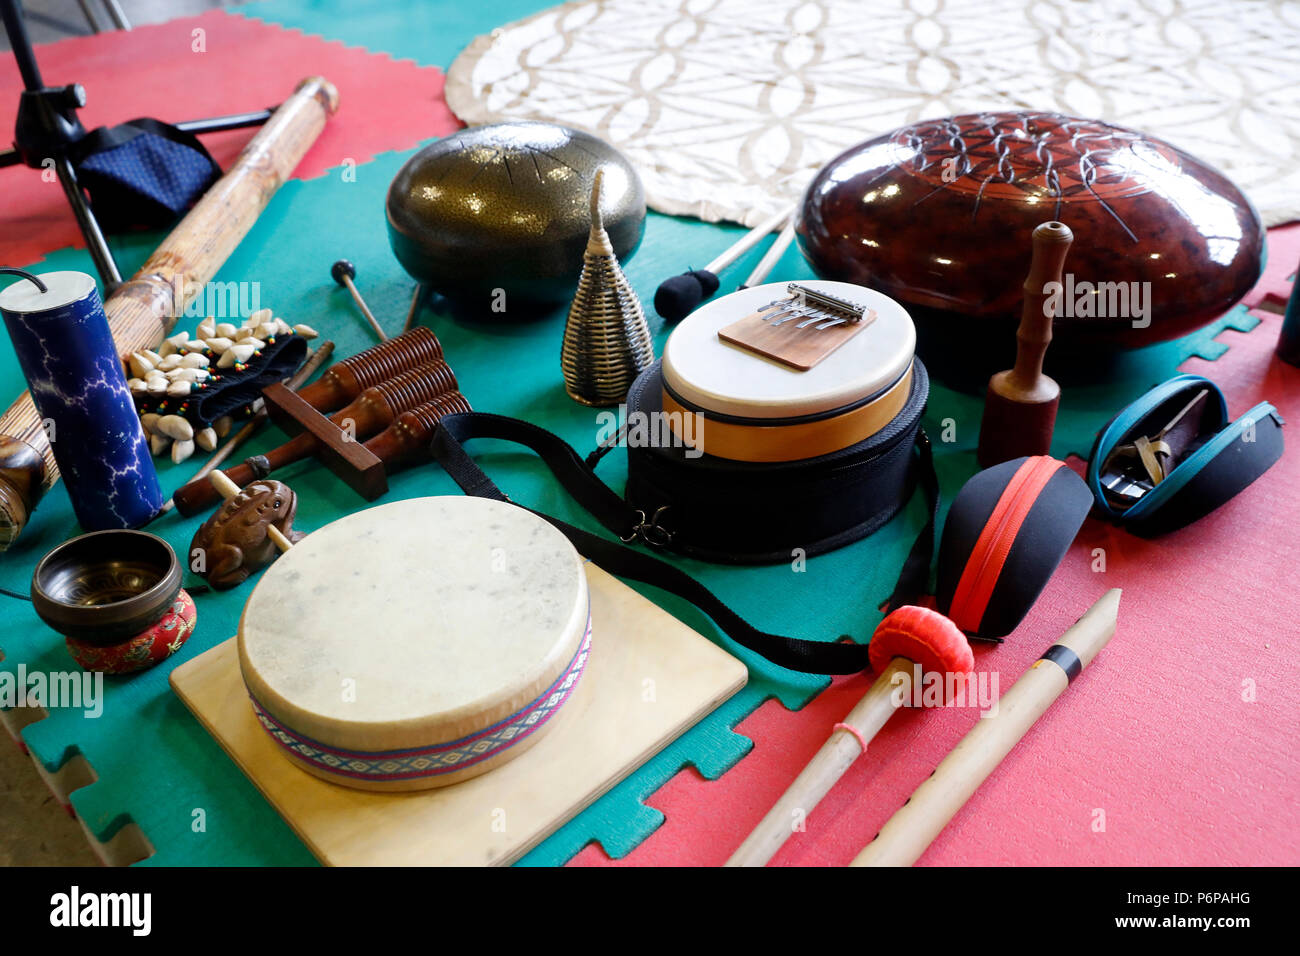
[(728, 107)]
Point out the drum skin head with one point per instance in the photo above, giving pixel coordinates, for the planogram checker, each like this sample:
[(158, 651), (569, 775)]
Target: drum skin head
[(729, 380), (419, 629)]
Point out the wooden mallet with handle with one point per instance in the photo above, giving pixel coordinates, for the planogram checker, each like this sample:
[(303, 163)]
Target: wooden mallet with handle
[(1020, 405), (906, 638), (906, 834)]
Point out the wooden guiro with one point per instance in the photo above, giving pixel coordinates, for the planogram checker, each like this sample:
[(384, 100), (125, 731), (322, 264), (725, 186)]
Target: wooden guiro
[(369, 413), (143, 309), (228, 489), (1020, 405)]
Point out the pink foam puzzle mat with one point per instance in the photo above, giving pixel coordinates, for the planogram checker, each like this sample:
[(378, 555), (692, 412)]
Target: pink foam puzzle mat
[(1178, 746), (214, 64)]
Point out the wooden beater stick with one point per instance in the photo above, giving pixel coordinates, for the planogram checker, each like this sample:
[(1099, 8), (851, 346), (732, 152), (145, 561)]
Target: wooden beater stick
[(143, 310), (907, 638), (1020, 405), (773, 255), (906, 834), (229, 489), (749, 240)]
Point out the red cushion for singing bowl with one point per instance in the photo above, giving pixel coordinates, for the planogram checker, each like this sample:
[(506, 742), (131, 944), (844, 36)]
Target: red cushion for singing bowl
[(939, 214)]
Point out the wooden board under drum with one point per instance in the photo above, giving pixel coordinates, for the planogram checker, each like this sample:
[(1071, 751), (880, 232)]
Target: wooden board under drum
[(649, 678)]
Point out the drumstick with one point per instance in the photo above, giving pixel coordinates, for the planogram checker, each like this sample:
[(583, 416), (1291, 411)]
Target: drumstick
[(908, 638), (678, 296), (771, 257), (343, 272), (417, 302), (143, 310), (229, 489), (749, 240), (906, 834)]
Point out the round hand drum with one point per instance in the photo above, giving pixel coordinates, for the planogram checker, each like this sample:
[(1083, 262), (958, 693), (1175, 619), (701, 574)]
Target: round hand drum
[(416, 644), (754, 408)]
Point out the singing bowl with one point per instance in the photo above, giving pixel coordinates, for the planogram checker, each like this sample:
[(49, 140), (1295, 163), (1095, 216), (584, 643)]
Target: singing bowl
[(107, 586), (507, 206), (939, 214)]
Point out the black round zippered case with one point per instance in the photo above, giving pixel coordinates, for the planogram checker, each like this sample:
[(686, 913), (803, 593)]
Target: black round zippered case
[(738, 512), (1007, 531)]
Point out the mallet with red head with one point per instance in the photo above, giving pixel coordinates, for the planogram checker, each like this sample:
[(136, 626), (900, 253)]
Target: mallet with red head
[(906, 638)]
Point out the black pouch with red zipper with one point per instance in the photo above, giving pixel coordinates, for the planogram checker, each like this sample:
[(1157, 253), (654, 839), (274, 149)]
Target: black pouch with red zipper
[(1006, 533)]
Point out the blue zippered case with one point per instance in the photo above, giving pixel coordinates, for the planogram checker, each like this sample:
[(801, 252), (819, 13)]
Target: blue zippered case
[(1215, 458)]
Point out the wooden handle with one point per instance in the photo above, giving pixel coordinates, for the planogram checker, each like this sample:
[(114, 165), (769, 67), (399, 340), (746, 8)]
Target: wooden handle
[(773, 255), (906, 834), (1051, 243), (749, 240), (229, 489), (827, 766), (143, 310)]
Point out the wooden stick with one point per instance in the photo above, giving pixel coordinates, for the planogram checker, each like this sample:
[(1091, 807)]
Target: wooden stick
[(749, 240), (143, 310), (365, 309), (771, 257), (830, 763), (1020, 404), (906, 834), (229, 489), (417, 301)]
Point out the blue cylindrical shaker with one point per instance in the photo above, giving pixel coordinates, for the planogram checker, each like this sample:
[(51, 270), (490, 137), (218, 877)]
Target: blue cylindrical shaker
[(75, 377)]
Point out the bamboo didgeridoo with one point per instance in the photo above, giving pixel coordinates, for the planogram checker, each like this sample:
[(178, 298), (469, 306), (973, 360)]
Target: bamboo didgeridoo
[(142, 311), (906, 834)]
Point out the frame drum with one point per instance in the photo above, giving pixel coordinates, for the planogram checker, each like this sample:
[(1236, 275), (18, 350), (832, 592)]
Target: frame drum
[(418, 643)]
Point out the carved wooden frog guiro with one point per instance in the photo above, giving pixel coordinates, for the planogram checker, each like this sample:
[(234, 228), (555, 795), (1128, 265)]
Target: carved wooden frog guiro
[(233, 543)]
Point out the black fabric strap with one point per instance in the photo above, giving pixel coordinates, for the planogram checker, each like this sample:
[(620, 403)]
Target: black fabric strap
[(813, 657), (914, 578)]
